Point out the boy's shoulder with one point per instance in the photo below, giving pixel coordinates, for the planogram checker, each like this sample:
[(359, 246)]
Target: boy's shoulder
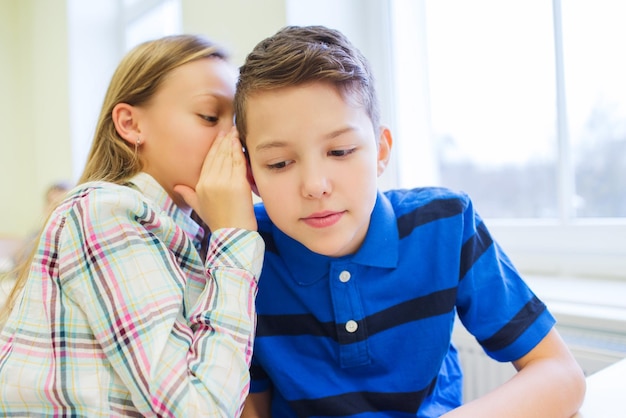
[(408, 199)]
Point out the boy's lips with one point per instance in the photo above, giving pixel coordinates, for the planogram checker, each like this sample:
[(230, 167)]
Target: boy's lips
[(323, 219)]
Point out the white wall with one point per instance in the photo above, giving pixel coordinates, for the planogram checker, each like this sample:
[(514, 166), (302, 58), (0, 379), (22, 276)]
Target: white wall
[(35, 143), (237, 24), (9, 145)]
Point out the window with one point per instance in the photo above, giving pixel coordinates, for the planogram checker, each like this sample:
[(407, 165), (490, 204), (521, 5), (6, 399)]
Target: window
[(150, 19), (595, 91), (527, 103), (491, 96), (524, 107), (100, 33)]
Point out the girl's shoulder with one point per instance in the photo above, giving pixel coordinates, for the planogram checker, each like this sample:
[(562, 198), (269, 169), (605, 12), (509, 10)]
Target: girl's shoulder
[(100, 195)]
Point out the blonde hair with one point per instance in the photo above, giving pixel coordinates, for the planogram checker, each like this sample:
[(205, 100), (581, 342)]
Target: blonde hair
[(135, 81)]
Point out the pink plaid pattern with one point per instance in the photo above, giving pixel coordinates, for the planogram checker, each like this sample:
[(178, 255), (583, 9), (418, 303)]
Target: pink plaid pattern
[(121, 317)]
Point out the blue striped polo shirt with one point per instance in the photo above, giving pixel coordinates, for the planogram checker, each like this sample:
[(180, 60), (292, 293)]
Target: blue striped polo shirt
[(369, 334)]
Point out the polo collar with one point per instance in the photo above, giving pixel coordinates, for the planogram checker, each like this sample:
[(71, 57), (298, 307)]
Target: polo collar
[(379, 249)]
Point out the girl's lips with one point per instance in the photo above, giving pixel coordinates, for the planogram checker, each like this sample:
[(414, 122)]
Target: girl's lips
[(323, 219)]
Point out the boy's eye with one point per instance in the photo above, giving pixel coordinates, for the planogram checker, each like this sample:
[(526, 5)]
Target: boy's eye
[(341, 152), (278, 166)]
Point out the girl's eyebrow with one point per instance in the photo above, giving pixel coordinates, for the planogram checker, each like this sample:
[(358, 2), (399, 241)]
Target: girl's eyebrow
[(213, 95)]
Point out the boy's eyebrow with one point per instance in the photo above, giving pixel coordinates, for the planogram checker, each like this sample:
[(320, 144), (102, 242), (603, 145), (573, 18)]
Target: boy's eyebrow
[(338, 132), (278, 144), (269, 145)]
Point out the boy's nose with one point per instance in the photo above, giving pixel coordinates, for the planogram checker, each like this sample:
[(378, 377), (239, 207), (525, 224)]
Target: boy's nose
[(315, 184)]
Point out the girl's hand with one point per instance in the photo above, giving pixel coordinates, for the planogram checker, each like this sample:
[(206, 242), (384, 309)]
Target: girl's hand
[(222, 198)]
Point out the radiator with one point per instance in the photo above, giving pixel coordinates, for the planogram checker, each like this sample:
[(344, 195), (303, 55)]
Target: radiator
[(594, 348), (481, 373)]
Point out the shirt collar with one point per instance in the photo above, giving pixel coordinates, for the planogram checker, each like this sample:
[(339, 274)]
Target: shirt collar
[(379, 249), (154, 192)]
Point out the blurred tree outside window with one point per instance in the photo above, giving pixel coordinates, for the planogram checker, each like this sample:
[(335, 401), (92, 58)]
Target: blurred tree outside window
[(526, 103)]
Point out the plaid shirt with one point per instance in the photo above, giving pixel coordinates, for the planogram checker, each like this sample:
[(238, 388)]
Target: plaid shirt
[(120, 316)]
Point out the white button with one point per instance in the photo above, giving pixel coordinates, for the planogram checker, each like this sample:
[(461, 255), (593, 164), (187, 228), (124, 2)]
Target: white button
[(344, 276), (351, 326)]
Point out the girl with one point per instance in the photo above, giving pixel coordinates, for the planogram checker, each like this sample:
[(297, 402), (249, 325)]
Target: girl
[(128, 306)]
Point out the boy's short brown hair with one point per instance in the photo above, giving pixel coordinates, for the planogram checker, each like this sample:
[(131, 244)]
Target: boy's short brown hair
[(297, 55)]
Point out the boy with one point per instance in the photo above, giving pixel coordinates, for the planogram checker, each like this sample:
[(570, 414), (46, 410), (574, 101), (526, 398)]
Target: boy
[(359, 288)]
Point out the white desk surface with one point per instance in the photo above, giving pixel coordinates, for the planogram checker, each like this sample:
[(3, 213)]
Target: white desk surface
[(606, 393)]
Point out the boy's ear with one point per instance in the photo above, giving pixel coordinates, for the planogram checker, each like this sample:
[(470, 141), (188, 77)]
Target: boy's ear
[(251, 180), (125, 120), (385, 141)]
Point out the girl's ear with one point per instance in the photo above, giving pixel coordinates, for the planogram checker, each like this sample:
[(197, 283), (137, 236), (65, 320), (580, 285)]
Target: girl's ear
[(125, 120), (385, 141)]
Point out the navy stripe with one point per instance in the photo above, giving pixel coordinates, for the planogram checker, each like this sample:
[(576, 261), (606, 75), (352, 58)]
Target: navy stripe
[(433, 211), (515, 327), (355, 403), (305, 324), (434, 304), (257, 372), (270, 245), (474, 248)]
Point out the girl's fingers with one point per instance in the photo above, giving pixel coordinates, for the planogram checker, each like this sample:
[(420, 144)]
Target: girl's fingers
[(223, 195), (213, 161)]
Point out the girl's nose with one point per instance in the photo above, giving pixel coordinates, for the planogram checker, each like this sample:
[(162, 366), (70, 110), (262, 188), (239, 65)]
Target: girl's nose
[(226, 124)]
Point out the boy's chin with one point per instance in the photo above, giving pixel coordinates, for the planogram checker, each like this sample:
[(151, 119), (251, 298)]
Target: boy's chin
[(329, 249)]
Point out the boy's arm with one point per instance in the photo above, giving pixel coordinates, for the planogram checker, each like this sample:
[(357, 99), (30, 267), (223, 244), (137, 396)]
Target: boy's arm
[(549, 383), (257, 405)]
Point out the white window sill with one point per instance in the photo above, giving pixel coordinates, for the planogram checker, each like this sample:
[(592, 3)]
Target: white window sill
[(597, 303)]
